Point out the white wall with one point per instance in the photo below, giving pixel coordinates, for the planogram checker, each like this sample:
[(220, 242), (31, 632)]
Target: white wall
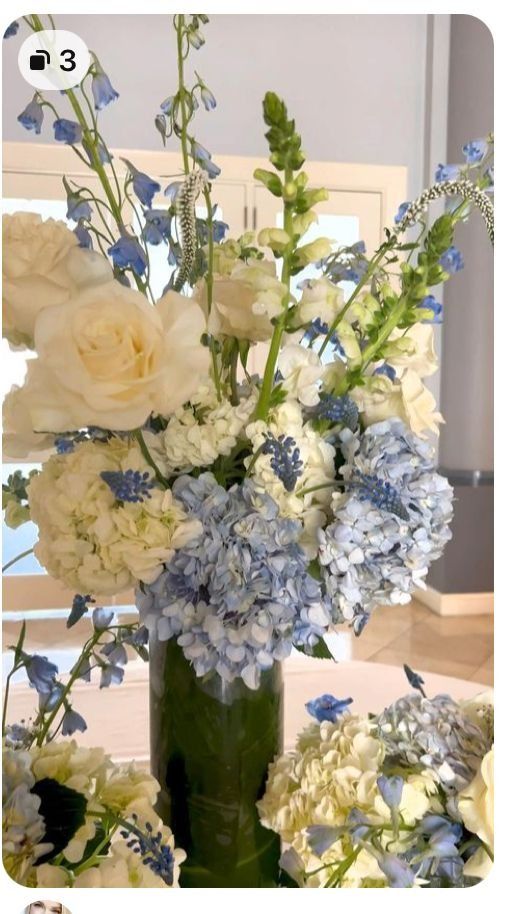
[(356, 84)]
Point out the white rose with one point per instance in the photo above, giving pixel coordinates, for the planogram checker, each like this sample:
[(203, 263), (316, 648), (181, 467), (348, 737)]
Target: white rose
[(108, 358), (19, 438), (476, 802), (302, 373), (42, 266), (322, 299), (245, 302)]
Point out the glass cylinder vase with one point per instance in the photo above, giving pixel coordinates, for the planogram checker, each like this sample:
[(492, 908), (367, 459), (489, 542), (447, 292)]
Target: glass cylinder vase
[(211, 744)]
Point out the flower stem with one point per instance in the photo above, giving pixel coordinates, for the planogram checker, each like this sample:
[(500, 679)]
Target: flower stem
[(262, 407), (179, 27), (148, 456), (17, 558)]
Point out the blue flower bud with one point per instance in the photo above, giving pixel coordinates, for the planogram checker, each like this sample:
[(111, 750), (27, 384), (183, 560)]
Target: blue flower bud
[(208, 99), (77, 208), (67, 131), (31, 117), (474, 151), (429, 303), (447, 172), (101, 617), (327, 707), (402, 210), (391, 790)]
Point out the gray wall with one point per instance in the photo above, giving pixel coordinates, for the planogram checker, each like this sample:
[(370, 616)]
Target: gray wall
[(356, 84)]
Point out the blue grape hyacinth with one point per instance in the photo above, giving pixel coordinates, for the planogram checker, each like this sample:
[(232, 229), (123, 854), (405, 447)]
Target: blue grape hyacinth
[(238, 595)]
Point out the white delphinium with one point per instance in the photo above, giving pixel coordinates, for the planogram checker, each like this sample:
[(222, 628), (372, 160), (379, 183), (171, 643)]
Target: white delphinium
[(318, 469), (198, 433)]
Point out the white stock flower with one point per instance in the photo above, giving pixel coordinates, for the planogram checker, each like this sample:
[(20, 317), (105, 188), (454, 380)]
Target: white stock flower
[(200, 432), (244, 302), (42, 266), (318, 470), (320, 299), (108, 358), (88, 539), (302, 371)]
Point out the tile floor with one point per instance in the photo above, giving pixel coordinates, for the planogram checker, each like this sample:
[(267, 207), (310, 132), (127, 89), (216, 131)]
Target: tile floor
[(453, 646)]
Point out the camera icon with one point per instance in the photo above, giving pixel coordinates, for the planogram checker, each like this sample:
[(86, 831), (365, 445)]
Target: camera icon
[(39, 60)]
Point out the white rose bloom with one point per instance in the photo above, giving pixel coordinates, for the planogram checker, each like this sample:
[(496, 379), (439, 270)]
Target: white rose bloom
[(318, 470), (476, 802), (43, 265), (108, 358), (244, 302), (89, 540), (320, 299), (197, 434), (302, 373)]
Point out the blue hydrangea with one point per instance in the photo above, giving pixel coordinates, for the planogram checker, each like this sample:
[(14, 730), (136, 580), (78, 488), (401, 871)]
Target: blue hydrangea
[(238, 595), (371, 553), (433, 733)]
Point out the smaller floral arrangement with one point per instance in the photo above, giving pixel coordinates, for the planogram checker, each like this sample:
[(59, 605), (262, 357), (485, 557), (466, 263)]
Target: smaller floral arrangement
[(71, 817), (400, 799)]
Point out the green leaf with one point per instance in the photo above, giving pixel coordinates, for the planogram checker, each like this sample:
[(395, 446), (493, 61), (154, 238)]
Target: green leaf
[(63, 811), (320, 651), (18, 650)]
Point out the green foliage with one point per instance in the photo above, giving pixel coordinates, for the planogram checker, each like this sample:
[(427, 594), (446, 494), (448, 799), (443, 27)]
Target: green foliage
[(320, 651), (63, 811)]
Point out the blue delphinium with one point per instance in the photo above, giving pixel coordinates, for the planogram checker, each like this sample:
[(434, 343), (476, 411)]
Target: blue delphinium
[(234, 596), (84, 237), (208, 99), (447, 172), (78, 208), (102, 89), (79, 607), (327, 707), (372, 555), (414, 679), (144, 187), (131, 485), (72, 722), (32, 116), (432, 308), (11, 30), (128, 252), (474, 151), (452, 260), (286, 462), (157, 226), (402, 210), (41, 673), (203, 158), (66, 131)]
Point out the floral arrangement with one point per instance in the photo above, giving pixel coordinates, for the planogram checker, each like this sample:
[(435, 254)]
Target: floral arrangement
[(399, 799), (70, 816), (251, 514)]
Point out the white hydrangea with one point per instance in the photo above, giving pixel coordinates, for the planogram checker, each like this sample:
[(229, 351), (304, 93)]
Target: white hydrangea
[(198, 434), (334, 769), (318, 470), (22, 826), (87, 538)]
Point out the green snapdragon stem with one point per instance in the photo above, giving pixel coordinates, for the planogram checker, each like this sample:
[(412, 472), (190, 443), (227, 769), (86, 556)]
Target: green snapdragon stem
[(211, 744), (262, 407)]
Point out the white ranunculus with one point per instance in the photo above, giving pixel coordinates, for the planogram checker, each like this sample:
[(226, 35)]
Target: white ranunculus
[(302, 373), (43, 266), (476, 802), (87, 538), (245, 302), (108, 358), (322, 299)]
